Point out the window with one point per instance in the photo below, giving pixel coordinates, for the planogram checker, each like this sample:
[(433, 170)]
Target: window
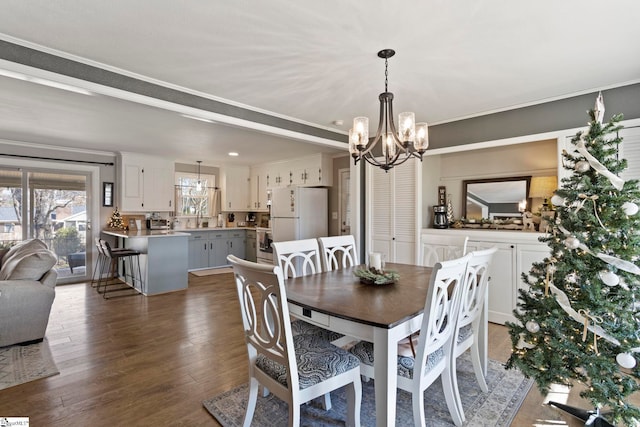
[(193, 202)]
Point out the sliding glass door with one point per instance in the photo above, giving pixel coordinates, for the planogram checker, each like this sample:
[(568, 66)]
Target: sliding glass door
[(51, 206)]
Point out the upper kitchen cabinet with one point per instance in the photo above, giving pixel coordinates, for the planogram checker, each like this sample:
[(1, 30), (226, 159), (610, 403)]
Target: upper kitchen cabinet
[(234, 184), (258, 189), (310, 171), (146, 183)]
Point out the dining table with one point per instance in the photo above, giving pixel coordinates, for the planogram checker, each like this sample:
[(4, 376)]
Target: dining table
[(382, 314)]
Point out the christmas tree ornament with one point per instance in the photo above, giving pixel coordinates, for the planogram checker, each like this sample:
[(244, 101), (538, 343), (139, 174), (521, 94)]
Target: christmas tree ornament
[(572, 242), (523, 344), (609, 278), (557, 200), (532, 326), (581, 166), (571, 278), (630, 208), (626, 360)]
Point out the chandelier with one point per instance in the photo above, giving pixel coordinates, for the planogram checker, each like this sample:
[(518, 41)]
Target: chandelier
[(199, 183), (398, 144)]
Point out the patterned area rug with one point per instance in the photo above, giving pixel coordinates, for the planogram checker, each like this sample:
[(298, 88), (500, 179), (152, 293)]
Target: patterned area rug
[(210, 271), (21, 364), (507, 390)]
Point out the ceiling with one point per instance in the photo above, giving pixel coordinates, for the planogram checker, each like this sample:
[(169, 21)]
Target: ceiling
[(309, 62)]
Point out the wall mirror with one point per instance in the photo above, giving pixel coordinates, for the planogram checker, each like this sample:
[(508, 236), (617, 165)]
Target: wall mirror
[(495, 198)]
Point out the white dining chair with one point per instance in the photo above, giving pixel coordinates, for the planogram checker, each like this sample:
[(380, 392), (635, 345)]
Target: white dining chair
[(295, 369), (299, 258), (467, 331), (338, 252), (438, 248), (434, 352)]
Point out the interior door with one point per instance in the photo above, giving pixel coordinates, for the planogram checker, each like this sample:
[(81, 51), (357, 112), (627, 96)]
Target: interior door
[(344, 208)]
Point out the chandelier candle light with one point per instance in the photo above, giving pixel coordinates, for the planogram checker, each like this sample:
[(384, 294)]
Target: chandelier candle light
[(398, 144)]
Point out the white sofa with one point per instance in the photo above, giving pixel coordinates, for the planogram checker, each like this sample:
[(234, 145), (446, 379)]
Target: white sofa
[(27, 290)]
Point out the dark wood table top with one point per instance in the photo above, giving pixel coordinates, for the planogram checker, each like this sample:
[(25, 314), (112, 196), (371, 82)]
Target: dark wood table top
[(340, 293)]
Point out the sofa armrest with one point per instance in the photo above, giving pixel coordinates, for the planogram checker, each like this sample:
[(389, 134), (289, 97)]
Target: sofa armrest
[(49, 278)]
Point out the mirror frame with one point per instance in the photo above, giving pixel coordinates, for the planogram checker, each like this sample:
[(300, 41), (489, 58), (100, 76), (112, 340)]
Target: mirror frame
[(465, 183)]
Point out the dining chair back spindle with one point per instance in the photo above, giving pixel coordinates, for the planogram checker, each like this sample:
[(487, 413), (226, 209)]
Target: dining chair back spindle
[(472, 303), (338, 252), (297, 257), (434, 351), (295, 369)]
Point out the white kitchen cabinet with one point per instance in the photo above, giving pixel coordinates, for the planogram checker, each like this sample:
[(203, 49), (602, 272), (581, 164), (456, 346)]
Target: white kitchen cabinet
[(310, 171), (146, 183), (517, 251), (258, 189), (394, 212), (234, 184)]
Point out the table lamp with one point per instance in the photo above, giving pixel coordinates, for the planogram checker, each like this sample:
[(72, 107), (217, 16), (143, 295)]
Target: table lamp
[(542, 187)]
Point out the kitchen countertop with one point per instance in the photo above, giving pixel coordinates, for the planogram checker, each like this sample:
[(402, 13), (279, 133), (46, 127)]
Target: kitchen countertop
[(187, 230), (144, 233)]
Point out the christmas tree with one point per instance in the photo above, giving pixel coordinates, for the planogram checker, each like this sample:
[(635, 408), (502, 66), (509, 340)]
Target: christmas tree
[(116, 221), (579, 319)]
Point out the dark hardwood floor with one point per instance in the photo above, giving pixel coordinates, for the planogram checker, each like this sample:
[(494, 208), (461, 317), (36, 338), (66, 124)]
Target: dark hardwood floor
[(151, 361)]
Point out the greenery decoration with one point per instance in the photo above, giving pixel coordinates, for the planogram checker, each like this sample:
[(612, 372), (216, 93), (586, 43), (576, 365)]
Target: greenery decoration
[(579, 315), (374, 276)]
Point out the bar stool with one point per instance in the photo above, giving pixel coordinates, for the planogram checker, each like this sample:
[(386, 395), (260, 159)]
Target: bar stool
[(101, 259), (109, 265)]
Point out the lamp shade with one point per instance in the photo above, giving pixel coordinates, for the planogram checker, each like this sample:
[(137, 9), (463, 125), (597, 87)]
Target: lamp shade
[(542, 187)]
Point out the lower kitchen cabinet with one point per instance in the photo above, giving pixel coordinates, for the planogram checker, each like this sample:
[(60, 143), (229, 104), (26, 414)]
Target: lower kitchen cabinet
[(517, 252), (210, 248), (251, 248), (198, 250)]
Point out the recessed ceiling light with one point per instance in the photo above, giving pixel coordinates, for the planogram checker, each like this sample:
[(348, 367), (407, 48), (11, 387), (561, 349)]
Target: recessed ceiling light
[(338, 122), (233, 154)]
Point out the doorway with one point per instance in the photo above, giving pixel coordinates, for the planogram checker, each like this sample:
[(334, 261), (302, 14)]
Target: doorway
[(344, 202), (51, 206)]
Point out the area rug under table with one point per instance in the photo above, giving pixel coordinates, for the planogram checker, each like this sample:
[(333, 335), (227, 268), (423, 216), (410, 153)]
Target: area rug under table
[(21, 364), (498, 407)]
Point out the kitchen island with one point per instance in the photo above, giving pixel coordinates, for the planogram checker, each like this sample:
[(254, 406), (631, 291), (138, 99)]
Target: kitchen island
[(163, 260)]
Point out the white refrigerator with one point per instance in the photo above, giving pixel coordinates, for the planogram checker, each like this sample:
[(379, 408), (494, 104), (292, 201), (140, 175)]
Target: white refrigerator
[(299, 213)]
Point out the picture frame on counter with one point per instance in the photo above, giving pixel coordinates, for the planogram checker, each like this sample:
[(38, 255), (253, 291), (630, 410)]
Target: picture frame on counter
[(107, 194)]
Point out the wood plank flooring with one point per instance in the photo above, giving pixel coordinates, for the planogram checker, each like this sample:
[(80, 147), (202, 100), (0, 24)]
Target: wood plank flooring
[(151, 361)]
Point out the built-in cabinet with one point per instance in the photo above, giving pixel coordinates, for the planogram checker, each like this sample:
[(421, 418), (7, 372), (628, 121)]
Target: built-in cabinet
[(146, 183), (210, 248), (394, 211), (517, 252), (234, 184)]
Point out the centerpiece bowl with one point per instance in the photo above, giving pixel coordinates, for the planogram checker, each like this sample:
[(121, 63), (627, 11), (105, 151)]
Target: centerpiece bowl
[(373, 276)]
